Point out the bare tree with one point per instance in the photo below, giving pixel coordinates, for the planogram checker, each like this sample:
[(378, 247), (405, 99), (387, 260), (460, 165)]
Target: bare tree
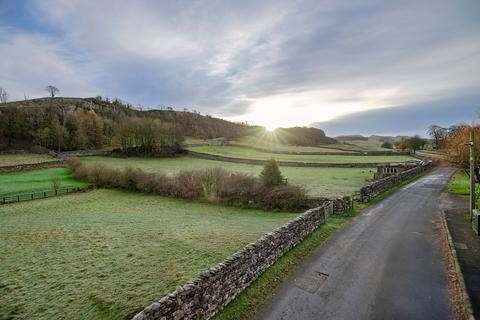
[(52, 90), (438, 134), (56, 182), (3, 95)]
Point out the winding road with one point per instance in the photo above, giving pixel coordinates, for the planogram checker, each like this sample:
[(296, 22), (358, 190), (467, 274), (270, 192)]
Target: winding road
[(385, 265)]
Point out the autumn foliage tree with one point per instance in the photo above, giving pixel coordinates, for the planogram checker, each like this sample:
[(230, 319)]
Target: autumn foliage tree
[(458, 150), (146, 136)]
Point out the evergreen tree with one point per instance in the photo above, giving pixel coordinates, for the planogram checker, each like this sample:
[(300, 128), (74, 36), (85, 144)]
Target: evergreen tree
[(271, 175)]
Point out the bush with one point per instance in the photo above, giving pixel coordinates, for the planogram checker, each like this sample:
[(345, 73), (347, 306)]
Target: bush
[(271, 175), (242, 190), (285, 198), (387, 145), (187, 185), (73, 163)]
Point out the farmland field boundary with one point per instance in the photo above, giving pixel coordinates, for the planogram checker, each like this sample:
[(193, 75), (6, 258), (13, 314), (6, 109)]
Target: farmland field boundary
[(33, 166), (35, 195), (281, 163), (343, 152)]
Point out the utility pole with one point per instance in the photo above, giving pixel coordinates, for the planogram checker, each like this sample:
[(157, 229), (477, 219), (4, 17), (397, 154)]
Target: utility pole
[(472, 172)]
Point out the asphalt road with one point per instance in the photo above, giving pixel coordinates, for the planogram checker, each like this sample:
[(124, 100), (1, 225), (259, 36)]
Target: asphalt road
[(386, 264)]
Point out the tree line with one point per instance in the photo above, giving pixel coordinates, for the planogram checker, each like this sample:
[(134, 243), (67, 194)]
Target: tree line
[(80, 124), (76, 128)]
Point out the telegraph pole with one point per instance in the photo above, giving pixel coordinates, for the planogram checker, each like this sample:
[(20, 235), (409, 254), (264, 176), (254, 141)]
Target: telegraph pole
[(472, 172)]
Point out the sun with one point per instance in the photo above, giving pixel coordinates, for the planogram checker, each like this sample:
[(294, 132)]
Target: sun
[(270, 128)]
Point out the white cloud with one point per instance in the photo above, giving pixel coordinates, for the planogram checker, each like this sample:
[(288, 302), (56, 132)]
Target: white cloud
[(30, 62), (247, 58)]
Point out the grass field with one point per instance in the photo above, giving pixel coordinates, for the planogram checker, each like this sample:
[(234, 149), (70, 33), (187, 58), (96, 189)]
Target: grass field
[(287, 148), (270, 145), (275, 145), (13, 159), (325, 182), (359, 145), (37, 180), (245, 153), (106, 254)]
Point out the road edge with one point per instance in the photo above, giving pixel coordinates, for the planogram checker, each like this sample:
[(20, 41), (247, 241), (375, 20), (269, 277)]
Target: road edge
[(467, 305)]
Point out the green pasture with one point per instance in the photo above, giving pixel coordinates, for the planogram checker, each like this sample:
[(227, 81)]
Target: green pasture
[(106, 254), (14, 183)]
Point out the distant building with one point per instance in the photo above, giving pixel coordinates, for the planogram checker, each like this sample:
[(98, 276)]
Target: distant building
[(221, 141), (389, 169)]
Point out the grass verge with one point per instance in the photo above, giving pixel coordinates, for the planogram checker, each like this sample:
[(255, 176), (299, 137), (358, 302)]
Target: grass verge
[(459, 184), (249, 302)]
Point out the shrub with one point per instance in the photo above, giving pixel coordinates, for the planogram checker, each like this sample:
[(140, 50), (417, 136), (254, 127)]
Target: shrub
[(187, 185), (73, 163), (162, 185), (271, 175), (285, 198), (97, 175), (387, 145), (130, 179), (213, 181), (242, 190)]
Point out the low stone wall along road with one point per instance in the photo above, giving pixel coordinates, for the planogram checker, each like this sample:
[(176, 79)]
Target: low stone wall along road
[(387, 264)]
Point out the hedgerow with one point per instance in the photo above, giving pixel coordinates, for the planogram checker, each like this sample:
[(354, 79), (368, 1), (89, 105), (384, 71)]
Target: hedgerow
[(214, 185)]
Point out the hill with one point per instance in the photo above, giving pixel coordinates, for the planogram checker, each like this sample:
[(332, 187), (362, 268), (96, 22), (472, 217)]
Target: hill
[(88, 123)]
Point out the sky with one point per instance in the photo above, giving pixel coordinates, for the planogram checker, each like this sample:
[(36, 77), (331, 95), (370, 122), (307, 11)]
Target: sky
[(272, 63)]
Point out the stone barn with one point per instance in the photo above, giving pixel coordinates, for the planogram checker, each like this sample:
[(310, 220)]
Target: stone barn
[(221, 141), (389, 169)]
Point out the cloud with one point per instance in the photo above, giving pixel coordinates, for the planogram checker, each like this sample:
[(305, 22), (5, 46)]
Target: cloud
[(30, 62), (406, 119), (314, 60)]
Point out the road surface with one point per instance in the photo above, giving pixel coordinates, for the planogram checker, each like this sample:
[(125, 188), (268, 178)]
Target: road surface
[(385, 265)]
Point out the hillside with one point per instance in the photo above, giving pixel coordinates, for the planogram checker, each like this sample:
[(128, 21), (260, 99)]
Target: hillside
[(87, 123)]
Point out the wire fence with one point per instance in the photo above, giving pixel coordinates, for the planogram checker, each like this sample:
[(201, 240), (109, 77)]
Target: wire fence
[(4, 199)]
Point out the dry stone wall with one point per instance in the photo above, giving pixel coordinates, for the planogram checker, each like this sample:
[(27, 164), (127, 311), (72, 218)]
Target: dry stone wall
[(377, 187), (209, 156), (213, 289), (33, 166)]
